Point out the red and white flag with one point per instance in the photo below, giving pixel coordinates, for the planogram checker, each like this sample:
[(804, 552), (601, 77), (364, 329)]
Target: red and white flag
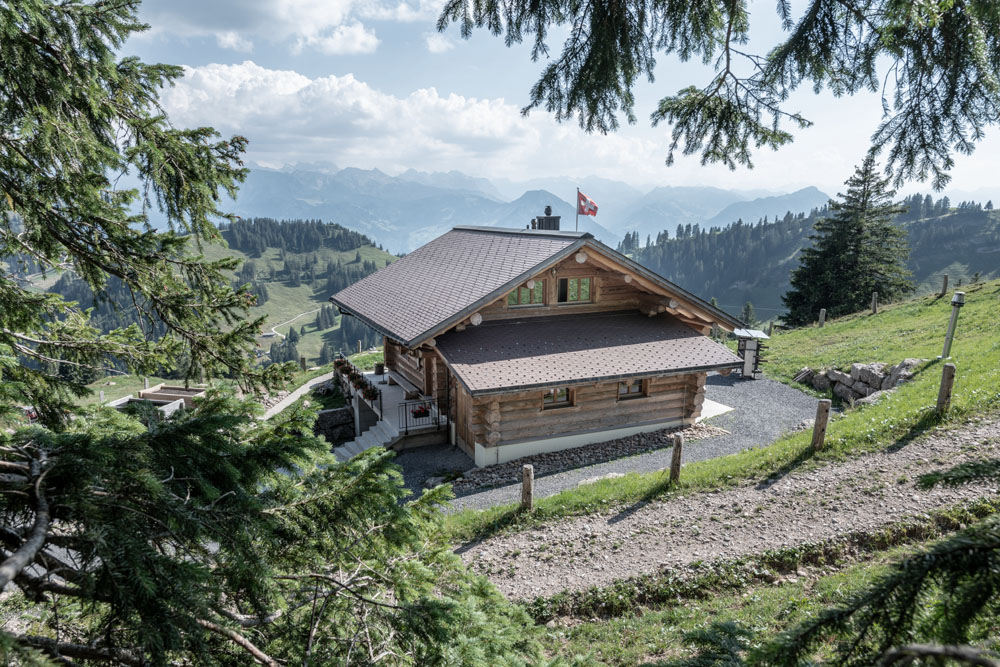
[(585, 205)]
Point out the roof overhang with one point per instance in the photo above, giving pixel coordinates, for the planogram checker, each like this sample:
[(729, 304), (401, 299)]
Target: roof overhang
[(569, 350)]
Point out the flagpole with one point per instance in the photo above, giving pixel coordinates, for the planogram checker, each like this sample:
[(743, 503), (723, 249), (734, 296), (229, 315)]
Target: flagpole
[(578, 209)]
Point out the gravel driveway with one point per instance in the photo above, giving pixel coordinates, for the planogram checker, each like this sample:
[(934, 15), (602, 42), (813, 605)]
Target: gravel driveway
[(762, 411)]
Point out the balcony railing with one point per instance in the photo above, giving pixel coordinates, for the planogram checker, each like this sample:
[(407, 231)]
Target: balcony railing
[(419, 414)]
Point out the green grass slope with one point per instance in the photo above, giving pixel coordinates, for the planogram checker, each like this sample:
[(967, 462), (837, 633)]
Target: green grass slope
[(286, 302)]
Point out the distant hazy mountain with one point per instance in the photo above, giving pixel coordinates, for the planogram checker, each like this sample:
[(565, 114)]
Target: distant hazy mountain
[(666, 207), (800, 201), (405, 211), (399, 212), (519, 213), (454, 180)]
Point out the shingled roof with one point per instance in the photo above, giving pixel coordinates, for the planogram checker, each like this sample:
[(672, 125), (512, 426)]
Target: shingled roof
[(437, 285), (462, 269), (571, 349)]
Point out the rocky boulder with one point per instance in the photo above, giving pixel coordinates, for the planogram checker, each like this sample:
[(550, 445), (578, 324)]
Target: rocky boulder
[(839, 377), (820, 382), (871, 374), (845, 392)]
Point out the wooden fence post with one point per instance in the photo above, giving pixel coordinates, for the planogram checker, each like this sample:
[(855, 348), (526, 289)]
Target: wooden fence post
[(874, 303), (822, 317), (302, 363), (675, 460), (145, 383), (944, 393), (819, 428), (102, 397), (944, 284), (359, 347), (527, 487)]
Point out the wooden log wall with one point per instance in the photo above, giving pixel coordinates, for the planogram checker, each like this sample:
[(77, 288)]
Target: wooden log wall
[(406, 365), (609, 291), (514, 417)]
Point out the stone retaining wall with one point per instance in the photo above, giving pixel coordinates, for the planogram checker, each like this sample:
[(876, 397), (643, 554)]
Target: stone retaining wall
[(864, 383), (336, 425)]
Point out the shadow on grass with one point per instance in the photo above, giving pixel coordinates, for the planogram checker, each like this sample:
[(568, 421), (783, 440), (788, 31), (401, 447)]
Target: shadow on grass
[(803, 456), (928, 419), (508, 517), (662, 486)]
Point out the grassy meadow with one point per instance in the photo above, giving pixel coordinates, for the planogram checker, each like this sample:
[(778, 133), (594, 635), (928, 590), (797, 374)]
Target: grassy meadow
[(286, 302)]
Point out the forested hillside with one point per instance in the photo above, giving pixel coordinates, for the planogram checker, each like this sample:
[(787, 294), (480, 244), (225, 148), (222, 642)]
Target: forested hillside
[(292, 267), (751, 261)]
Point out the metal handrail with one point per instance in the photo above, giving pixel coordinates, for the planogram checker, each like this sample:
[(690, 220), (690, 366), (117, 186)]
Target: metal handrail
[(424, 412)]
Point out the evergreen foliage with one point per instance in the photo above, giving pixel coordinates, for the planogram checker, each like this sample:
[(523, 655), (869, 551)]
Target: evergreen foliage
[(941, 76), (857, 250), (255, 235), (212, 536), (752, 261)]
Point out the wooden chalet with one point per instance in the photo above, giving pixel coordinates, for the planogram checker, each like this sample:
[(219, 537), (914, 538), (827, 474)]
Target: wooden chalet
[(533, 341)]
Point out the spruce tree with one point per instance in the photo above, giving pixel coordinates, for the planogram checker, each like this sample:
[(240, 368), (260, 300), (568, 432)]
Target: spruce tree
[(213, 536), (937, 63), (856, 250)]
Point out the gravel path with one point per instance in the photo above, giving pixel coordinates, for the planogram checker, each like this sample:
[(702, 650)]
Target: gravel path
[(295, 395), (862, 494), (762, 411)]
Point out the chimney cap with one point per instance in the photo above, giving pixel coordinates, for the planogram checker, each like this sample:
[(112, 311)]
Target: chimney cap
[(548, 210)]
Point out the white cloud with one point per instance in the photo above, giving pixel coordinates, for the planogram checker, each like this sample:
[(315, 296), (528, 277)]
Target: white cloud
[(402, 12), (292, 118), (328, 26), (438, 43), (233, 40), (349, 39)]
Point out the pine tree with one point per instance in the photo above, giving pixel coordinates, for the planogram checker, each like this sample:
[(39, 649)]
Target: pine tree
[(146, 540), (747, 315), (857, 250), (936, 61)]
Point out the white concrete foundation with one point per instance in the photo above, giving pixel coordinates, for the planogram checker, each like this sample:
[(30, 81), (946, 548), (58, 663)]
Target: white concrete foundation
[(487, 456)]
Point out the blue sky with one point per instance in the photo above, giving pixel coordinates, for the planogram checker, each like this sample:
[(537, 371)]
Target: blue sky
[(371, 83)]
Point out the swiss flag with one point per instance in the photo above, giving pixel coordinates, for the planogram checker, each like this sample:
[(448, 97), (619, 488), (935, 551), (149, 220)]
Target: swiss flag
[(585, 205)]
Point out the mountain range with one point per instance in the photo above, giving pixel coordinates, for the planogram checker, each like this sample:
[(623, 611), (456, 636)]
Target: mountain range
[(404, 211)]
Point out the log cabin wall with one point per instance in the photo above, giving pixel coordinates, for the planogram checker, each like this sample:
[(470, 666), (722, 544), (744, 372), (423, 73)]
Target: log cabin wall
[(398, 359), (464, 411), (609, 292), (439, 384), (595, 407)]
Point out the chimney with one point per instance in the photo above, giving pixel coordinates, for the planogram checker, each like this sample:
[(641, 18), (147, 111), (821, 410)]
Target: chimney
[(547, 221)]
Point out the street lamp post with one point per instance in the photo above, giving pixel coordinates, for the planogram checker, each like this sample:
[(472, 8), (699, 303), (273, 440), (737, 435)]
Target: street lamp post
[(957, 301)]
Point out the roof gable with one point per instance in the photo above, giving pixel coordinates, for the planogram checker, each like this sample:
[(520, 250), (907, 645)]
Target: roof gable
[(412, 298)]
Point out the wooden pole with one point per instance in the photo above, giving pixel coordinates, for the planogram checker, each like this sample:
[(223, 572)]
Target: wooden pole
[(874, 303), (359, 347), (944, 284), (944, 393), (302, 363), (527, 487), (102, 396), (822, 317), (145, 383), (819, 428), (675, 460), (770, 328)]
